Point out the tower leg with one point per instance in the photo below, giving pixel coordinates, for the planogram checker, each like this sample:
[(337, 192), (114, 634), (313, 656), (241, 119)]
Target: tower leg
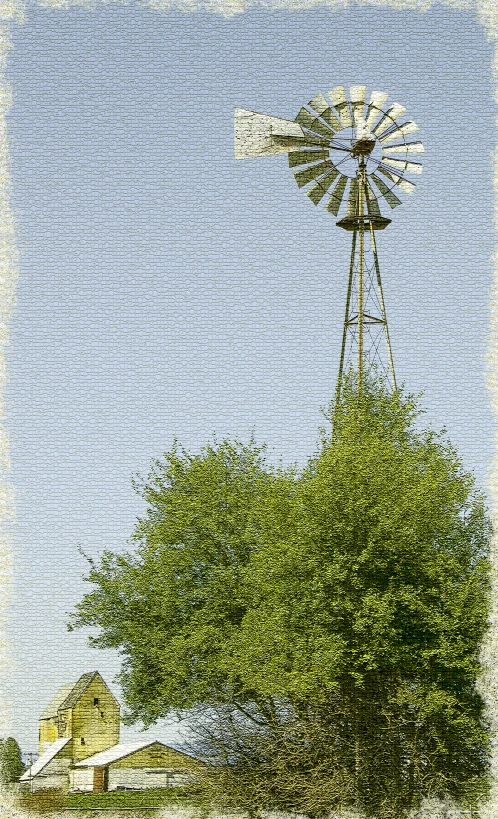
[(361, 276), (382, 306), (346, 318)]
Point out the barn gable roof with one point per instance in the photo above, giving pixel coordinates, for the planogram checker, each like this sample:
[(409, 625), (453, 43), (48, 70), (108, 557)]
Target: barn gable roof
[(68, 695), (44, 759), (104, 758), (78, 690)]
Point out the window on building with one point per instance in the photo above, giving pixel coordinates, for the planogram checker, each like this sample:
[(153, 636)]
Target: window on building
[(102, 714), (62, 725), (82, 740), (95, 700)]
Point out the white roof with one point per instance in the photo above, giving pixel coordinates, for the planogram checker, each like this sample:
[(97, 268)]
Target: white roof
[(116, 752), (44, 759)]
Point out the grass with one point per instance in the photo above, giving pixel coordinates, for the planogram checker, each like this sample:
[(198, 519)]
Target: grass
[(55, 801), (153, 797)]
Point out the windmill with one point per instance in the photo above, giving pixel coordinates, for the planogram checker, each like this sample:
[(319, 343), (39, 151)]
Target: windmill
[(352, 156)]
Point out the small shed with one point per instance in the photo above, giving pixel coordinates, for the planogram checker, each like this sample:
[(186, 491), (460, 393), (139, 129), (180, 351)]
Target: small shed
[(136, 766), (51, 769)]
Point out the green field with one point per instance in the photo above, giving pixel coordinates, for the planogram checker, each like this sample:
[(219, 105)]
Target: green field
[(155, 797), (51, 801)]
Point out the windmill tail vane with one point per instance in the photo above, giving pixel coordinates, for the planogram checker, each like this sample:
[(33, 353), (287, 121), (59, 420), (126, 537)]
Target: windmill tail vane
[(354, 157)]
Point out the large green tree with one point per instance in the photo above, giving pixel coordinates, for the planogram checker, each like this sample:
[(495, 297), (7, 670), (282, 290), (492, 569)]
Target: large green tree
[(337, 611)]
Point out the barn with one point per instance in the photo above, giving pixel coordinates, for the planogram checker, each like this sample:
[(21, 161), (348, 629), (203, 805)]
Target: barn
[(134, 766), (80, 750)]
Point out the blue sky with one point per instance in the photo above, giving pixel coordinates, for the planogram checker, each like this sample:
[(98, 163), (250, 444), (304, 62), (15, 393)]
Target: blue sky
[(168, 290)]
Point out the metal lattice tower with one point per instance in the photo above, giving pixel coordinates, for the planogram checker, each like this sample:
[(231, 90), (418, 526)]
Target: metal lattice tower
[(352, 156), (365, 319)]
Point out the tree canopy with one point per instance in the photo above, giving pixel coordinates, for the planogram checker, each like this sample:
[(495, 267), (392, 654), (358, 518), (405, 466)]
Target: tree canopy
[(344, 602), (11, 765)]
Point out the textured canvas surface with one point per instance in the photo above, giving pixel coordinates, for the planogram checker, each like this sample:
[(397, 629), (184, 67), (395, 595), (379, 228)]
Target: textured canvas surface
[(153, 288)]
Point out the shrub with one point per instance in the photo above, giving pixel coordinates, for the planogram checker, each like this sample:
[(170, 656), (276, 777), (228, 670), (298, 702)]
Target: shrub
[(43, 801)]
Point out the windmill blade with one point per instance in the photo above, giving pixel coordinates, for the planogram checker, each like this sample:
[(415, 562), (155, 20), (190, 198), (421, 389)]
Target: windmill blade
[(318, 191), (372, 204), (304, 157), (335, 200), (254, 134), (308, 174), (357, 94), (407, 128), (340, 103), (403, 165), (318, 103), (409, 147), (391, 199), (307, 120), (404, 184), (396, 110), (331, 119), (323, 109), (377, 100), (353, 209), (389, 118)]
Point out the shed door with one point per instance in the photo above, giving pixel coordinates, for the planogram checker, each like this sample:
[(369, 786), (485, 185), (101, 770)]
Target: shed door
[(98, 780)]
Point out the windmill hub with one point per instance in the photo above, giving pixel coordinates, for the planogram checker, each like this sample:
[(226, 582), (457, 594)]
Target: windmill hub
[(363, 147)]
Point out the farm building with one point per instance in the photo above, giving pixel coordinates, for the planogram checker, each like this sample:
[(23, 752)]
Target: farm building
[(86, 712), (51, 769), (143, 765), (80, 750)]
